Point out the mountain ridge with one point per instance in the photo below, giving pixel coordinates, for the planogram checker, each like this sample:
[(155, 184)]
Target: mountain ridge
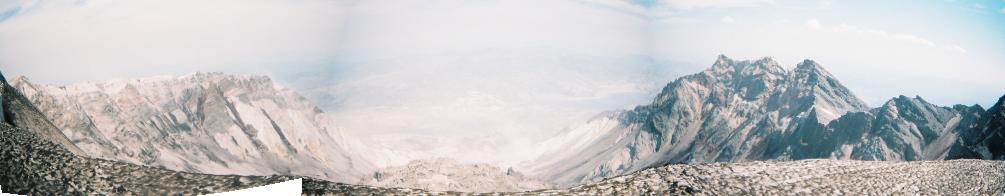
[(737, 111), (202, 122), (35, 162), (986, 140)]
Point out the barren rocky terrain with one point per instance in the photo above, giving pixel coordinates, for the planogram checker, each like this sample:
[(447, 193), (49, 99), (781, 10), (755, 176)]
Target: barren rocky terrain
[(444, 174), (813, 177)]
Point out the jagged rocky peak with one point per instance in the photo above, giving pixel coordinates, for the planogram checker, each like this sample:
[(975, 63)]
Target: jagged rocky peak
[(914, 129), (811, 66), (733, 111), (831, 99), (810, 72), (986, 139), (764, 65), (907, 107)]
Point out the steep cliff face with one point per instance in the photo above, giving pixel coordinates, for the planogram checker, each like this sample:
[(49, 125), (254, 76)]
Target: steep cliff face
[(755, 110), (203, 122)]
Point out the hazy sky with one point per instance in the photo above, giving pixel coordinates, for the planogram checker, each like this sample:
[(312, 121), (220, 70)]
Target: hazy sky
[(482, 80)]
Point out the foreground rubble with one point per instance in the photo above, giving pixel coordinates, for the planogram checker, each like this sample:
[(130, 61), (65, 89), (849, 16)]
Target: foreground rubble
[(814, 177)]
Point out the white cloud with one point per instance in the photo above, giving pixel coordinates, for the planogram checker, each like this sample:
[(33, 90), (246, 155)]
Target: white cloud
[(64, 41), (846, 28), (813, 24), (826, 3), (914, 39), (979, 6), (955, 48), (727, 19), (435, 68), (903, 37), (1003, 10), (464, 69)]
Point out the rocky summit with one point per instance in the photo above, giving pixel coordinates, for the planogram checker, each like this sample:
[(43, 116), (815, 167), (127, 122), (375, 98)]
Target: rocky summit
[(737, 111)]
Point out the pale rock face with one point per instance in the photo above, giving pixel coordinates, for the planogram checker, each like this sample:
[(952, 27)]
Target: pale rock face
[(37, 161), (203, 122), (442, 174), (740, 111)]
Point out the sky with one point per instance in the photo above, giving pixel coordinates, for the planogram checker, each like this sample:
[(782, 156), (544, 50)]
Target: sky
[(483, 80)]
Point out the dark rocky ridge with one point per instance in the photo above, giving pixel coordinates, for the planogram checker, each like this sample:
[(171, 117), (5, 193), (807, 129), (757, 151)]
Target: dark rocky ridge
[(986, 138)]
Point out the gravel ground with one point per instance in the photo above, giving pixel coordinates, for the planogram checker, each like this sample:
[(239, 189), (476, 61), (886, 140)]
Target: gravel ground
[(805, 177)]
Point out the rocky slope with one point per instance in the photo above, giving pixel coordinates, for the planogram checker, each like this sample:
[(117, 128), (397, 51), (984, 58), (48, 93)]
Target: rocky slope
[(37, 160), (203, 122), (442, 174), (739, 111), (902, 129), (986, 139), (804, 177)]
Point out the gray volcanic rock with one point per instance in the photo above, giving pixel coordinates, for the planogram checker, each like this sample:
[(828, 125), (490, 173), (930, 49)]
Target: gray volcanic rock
[(906, 129), (805, 177), (902, 129), (204, 123), (986, 139), (36, 163)]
